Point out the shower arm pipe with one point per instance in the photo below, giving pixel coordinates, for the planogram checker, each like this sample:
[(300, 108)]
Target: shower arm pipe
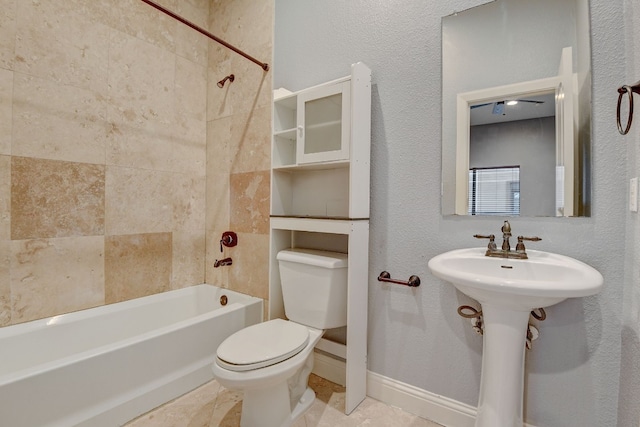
[(201, 30)]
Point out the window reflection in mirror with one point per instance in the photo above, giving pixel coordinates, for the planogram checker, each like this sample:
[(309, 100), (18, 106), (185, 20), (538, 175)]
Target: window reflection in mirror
[(514, 43), (494, 191)]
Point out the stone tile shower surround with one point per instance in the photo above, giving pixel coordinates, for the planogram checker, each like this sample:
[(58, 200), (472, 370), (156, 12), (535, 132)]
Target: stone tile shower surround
[(119, 156)]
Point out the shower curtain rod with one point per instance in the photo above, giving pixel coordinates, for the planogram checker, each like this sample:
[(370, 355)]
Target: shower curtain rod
[(262, 65)]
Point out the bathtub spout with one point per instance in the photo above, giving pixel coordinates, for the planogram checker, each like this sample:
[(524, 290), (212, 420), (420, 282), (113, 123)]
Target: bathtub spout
[(222, 262)]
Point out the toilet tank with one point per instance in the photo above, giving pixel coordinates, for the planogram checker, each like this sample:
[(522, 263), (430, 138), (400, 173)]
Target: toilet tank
[(314, 287)]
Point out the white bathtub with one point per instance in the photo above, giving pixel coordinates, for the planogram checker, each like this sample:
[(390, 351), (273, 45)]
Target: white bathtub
[(104, 366)]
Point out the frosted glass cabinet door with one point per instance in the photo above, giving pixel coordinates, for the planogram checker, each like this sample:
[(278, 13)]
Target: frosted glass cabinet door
[(324, 124)]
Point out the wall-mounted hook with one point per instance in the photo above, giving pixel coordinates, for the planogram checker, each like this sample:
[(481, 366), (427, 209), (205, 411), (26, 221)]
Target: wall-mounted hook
[(229, 239)]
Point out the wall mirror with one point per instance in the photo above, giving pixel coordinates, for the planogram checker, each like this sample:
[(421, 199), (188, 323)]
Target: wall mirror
[(516, 109)]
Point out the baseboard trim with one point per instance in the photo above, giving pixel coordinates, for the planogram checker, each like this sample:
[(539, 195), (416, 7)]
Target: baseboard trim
[(436, 408), (330, 368), (430, 406)]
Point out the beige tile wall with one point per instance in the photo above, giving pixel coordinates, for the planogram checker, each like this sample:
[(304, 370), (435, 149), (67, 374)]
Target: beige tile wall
[(121, 161), (238, 145)]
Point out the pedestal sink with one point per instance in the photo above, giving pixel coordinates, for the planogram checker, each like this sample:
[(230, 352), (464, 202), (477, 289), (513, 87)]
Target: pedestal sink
[(508, 289)]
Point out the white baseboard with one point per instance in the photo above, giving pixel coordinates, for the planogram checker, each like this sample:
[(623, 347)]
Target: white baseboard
[(433, 407), (330, 368), (439, 409), (436, 408)]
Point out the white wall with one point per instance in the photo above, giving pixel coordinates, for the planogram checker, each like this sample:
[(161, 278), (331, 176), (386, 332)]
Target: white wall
[(415, 335), (629, 389)]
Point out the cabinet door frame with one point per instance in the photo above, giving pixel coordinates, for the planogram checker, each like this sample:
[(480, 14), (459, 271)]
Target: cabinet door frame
[(317, 93)]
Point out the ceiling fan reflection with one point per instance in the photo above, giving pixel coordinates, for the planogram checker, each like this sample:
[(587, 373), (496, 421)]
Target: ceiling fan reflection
[(498, 106)]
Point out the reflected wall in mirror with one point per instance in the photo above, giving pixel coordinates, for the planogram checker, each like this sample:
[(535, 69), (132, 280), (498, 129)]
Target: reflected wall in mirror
[(516, 92)]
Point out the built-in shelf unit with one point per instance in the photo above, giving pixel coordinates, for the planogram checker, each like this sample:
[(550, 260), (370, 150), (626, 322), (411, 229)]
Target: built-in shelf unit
[(320, 199)]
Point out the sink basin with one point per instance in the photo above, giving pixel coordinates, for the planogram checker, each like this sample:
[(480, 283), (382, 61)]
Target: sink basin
[(508, 289), (540, 281)]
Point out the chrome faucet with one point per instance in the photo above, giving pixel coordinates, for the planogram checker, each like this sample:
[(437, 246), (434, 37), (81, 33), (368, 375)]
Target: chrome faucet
[(505, 251)]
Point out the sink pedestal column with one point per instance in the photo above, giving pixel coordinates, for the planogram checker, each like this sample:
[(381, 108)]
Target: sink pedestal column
[(502, 378)]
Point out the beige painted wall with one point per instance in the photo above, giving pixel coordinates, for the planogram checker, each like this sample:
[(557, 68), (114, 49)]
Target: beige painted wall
[(121, 162)]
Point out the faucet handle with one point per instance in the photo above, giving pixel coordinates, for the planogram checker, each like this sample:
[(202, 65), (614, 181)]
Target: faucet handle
[(229, 239), (480, 236), (492, 240), (520, 246)]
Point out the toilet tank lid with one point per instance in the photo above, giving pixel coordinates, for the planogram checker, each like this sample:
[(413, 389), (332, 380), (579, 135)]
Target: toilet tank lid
[(315, 257)]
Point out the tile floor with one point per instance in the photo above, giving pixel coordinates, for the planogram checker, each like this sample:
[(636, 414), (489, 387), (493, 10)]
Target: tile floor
[(211, 405)]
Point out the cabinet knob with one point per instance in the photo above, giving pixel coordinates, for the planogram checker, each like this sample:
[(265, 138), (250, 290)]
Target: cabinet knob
[(300, 131)]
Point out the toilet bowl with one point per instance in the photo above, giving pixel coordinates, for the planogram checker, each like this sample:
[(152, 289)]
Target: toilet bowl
[(271, 361), (275, 394)]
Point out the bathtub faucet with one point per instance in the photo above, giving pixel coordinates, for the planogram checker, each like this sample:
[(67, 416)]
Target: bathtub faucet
[(222, 262)]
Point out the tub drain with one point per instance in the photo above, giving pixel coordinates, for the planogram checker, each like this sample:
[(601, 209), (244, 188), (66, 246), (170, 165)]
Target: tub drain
[(223, 300)]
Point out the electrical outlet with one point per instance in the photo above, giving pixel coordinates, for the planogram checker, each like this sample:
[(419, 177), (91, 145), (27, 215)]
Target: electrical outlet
[(633, 194)]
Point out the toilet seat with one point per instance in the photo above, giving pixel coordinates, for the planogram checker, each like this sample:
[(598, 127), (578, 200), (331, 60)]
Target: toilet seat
[(261, 345)]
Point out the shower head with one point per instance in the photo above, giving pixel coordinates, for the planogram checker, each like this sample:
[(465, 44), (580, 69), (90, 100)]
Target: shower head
[(230, 77)]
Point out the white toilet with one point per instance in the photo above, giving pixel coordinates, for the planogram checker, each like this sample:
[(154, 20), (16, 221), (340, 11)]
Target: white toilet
[(271, 361)]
